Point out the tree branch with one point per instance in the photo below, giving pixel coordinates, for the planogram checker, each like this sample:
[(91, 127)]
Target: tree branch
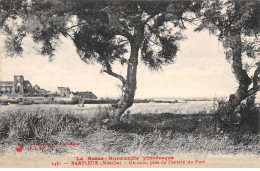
[(65, 33), (125, 34), (253, 90), (256, 75), (76, 26), (150, 17), (110, 72), (256, 86)]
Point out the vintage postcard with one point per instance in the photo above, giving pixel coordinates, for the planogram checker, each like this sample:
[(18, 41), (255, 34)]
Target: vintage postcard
[(129, 84)]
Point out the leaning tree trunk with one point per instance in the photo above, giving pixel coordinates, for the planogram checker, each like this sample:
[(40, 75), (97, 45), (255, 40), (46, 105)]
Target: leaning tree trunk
[(129, 87), (129, 84), (242, 78), (250, 101)]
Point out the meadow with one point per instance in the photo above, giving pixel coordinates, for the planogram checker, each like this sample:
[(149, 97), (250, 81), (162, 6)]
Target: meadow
[(147, 129), (145, 108)]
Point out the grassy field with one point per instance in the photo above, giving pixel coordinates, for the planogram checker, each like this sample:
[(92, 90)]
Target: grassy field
[(144, 108), (148, 134)]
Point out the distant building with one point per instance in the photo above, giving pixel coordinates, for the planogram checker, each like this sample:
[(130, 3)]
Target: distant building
[(42, 91), (21, 87), (85, 94), (36, 87), (18, 86), (6, 87), (64, 91)]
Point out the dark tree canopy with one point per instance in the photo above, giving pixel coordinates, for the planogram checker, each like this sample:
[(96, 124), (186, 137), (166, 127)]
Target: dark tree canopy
[(100, 30), (227, 19)]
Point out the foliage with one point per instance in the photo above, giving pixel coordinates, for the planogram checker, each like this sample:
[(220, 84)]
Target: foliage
[(236, 23), (226, 19), (245, 119), (101, 30)]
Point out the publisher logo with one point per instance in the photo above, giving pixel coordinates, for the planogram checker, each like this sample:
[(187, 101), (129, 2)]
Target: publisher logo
[(19, 147)]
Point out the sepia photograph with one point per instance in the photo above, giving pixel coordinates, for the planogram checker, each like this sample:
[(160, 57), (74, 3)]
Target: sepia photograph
[(129, 84)]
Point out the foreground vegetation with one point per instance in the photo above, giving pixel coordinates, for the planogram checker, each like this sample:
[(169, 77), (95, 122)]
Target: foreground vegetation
[(153, 134)]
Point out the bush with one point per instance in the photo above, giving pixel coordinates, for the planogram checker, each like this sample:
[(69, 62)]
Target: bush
[(38, 123), (101, 114), (244, 119)]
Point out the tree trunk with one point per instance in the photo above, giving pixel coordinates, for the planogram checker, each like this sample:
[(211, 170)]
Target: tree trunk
[(242, 78), (129, 88), (250, 101)]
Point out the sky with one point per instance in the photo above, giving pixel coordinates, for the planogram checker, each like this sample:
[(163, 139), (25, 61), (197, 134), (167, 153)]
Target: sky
[(199, 70)]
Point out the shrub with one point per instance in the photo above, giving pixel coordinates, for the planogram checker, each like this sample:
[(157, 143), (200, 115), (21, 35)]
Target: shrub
[(244, 119)]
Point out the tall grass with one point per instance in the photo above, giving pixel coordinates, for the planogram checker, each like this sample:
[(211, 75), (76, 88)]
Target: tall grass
[(138, 134)]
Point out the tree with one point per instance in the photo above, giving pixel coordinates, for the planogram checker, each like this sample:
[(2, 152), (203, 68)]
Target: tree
[(237, 25), (101, 32)]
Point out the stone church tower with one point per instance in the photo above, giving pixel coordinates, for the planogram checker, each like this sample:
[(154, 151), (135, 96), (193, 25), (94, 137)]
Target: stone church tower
[(18, 86)]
